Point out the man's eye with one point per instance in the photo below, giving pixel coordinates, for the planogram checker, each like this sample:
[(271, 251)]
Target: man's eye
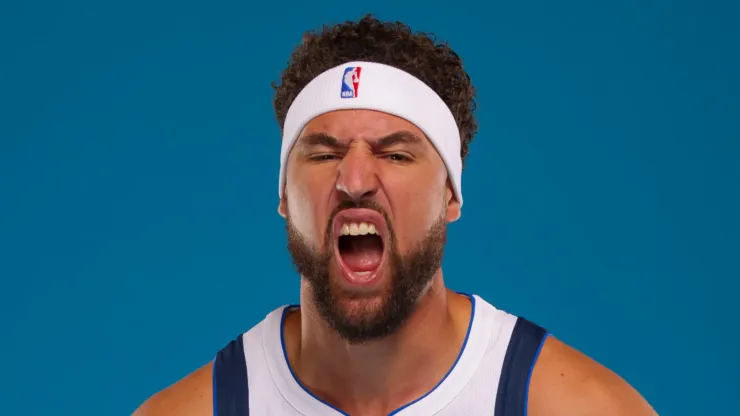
[(323, 158), (398, 157)]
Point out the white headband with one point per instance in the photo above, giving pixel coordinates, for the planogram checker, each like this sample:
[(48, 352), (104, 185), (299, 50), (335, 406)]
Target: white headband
[(373, 86)]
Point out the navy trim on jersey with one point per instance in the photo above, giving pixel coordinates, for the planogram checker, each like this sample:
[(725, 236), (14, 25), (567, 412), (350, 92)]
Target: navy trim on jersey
[(526, 342), (465, 342), (230, 381), (285, 355)]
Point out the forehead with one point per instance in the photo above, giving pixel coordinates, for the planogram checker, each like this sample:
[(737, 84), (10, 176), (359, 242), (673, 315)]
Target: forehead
[(360, 124)]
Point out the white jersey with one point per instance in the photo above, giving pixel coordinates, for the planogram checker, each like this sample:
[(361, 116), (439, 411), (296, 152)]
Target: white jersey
[(252, 376)]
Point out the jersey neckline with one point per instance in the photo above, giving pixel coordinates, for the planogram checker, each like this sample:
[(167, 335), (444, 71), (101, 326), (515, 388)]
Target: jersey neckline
[(452, 384)]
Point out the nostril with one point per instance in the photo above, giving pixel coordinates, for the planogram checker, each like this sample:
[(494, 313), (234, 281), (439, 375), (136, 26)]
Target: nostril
[(357, 193), (369, 194)]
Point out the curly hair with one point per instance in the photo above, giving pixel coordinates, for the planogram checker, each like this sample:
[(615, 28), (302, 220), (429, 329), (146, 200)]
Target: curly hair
[(390, 43)]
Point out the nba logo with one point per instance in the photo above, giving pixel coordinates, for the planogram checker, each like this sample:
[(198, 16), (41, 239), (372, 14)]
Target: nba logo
[(351, 82)]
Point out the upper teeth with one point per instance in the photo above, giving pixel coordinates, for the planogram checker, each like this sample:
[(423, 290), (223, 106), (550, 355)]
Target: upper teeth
[(358, 228)]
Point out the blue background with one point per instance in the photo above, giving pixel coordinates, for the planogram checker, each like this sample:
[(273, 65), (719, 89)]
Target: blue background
[(139, 159)]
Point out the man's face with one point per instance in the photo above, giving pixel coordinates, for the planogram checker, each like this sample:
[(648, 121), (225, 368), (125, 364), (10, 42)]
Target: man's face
[(366, 203)]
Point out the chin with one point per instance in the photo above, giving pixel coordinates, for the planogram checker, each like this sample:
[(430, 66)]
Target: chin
[(360, 311)]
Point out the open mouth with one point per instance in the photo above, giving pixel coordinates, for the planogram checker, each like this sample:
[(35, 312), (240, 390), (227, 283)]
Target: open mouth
[(359, 244)]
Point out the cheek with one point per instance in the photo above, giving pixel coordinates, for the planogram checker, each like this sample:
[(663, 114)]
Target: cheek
[(417, 204), (307, 203)]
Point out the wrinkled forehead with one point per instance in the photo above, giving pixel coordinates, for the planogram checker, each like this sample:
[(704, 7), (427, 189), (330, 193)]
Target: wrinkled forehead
[(363, 125)]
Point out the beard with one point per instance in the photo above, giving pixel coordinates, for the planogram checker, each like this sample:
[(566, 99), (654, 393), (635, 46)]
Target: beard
[(370, 317)]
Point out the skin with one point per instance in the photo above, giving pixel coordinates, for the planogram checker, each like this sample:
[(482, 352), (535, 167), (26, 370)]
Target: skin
[(409, 180)]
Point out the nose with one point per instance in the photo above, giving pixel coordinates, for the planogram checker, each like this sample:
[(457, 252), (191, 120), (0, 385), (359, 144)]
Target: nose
[(358, 175)]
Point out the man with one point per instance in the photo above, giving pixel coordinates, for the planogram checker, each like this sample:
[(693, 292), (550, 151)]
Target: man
[(376, 123)]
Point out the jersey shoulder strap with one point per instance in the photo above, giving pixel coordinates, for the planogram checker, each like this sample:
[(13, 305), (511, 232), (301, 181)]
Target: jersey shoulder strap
[(230, 382), (521, 354)]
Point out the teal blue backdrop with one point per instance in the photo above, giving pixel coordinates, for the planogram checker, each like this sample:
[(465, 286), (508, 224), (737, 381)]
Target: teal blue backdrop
[(138, 194)]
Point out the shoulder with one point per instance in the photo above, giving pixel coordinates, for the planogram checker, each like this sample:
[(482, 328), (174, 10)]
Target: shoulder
[(190, 396), (193, 394), (567, 382)]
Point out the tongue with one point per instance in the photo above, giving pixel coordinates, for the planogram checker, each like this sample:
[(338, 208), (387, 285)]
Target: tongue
[(362, 253)]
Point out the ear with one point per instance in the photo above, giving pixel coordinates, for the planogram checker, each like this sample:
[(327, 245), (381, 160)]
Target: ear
[(453, 205), (283, 207)]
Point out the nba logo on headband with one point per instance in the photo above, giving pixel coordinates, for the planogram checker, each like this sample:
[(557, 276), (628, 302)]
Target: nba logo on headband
[(386, 89), (351, 82)]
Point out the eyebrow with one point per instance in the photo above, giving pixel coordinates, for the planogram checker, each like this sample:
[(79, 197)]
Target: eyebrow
[(399, 137), (323, 139)]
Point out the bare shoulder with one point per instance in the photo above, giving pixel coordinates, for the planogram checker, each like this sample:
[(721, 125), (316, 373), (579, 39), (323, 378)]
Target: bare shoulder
[(567, 382), (190, 396)]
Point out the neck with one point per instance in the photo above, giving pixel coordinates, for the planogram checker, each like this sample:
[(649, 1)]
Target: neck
[(378, 376)]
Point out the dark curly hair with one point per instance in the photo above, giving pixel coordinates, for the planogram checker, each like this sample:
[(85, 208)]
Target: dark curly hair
[(390, 43)]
